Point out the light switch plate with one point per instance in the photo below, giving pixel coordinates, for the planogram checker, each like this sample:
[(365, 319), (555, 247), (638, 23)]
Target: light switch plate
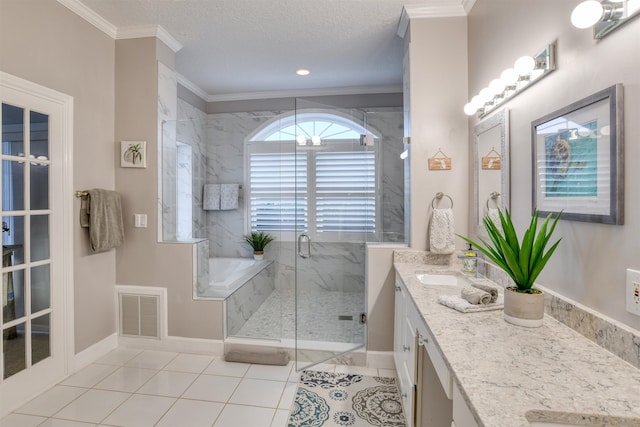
[(633, 291), (140, 220)]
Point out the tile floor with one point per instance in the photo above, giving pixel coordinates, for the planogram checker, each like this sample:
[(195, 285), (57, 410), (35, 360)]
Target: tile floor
[(139, 388)]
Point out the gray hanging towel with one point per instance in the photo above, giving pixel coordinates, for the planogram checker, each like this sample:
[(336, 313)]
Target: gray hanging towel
[(106, 229)]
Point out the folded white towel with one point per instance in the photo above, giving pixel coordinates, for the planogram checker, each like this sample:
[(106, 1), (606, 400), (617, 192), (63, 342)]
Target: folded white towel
[(464, 306), (442, 232), (211, 197), (229, 194)]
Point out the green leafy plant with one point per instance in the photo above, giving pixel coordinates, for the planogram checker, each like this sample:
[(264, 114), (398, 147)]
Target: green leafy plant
[(258, 240), (522, 262)]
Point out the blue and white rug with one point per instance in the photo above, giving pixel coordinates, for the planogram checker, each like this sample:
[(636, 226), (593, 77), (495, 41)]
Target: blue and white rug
[(330, 399)]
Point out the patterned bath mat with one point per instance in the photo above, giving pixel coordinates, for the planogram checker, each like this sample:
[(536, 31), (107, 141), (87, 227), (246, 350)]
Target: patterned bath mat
[(329, 399)]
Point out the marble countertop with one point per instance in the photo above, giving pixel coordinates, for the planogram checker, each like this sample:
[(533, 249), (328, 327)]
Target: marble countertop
[(511, 376)]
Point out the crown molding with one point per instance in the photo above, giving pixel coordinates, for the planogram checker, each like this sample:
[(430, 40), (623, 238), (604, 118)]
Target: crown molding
[(467, 5), (90, 16), (157, 31), (437, 9), (360, 90), (195, 89)]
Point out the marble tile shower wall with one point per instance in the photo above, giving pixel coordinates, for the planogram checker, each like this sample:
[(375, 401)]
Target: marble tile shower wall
[(191, 130), (167, 115)]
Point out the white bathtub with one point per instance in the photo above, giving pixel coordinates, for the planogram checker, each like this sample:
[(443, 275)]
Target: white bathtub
[(226, 275)]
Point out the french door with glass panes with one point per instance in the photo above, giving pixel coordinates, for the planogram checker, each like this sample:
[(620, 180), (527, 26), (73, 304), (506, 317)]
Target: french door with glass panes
[(33, 346)]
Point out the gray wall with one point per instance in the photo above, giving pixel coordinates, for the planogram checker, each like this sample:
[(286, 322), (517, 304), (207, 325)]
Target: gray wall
[(44, 42), (590, 263)]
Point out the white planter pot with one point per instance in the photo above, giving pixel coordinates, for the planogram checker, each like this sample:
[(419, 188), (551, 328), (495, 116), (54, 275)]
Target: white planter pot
[(523, 309), (258, 256)]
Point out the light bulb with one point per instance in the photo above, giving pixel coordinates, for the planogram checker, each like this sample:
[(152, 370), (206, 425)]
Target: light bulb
[(475, 101), (485, 95), (315, 140), (301, 140), (497, 86), (509, 77), (586, 14), (470, 109), (524, 65)]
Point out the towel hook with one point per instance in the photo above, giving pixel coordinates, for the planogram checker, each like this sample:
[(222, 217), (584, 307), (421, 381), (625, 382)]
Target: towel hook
[(493, 196), (439, 196)]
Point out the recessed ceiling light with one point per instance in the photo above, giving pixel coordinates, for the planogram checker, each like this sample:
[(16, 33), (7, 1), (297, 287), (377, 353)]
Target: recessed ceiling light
[(303, 72)]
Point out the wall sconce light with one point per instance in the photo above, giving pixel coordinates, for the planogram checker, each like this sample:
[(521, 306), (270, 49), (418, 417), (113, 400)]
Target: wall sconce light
[(526, 71), (605, 16)]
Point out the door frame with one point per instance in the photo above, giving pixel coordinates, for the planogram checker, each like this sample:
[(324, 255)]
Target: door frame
[(62, 105)]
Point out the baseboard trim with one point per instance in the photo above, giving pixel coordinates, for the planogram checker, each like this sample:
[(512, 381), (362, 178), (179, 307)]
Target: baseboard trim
[(380, 359), (94, 352), (176, 344)]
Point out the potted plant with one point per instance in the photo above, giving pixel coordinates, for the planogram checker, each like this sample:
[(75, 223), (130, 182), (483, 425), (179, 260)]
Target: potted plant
[(258, 240), (523, 262)]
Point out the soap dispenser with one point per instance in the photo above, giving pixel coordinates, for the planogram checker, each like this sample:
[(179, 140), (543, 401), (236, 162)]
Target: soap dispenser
[(470, 260)]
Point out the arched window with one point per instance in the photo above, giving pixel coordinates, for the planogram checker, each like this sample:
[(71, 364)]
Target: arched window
[(310, 173)]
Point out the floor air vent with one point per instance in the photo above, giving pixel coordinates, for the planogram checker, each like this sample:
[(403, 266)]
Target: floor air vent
[(140, 313)]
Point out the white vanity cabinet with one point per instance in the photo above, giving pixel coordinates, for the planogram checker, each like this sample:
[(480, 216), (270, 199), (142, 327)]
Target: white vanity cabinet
[(424, 380), (404, 351)]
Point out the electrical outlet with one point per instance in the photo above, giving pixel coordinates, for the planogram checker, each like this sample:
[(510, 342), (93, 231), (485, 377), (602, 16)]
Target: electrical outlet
[(633, 291)]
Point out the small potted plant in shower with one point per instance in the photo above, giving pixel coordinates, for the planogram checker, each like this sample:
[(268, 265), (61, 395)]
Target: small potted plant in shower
[(258, 240)]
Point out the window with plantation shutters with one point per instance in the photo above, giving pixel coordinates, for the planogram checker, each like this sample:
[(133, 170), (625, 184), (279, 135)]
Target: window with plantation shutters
[(327, 190)]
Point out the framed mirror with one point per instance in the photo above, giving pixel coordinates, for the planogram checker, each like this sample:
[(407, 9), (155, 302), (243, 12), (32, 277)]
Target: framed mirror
[(491, 167)]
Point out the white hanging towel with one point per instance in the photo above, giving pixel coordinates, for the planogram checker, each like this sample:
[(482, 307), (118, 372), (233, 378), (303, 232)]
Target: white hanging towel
[(442, 232), (211, 197), (494, 216), (229, 196)]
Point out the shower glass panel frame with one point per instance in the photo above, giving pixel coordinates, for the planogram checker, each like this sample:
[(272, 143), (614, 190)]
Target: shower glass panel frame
[(330, 244)]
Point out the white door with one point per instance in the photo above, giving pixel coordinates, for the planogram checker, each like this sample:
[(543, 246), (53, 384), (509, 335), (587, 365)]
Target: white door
[(35, 310)]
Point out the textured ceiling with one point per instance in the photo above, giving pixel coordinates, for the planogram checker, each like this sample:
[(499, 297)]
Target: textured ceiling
[(242, 48)]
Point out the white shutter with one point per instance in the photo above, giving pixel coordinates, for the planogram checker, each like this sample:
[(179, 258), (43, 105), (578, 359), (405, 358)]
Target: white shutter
[(345, 191), (274, 178)]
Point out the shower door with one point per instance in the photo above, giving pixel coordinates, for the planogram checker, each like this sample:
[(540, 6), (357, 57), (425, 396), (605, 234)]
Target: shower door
[(335, 214)]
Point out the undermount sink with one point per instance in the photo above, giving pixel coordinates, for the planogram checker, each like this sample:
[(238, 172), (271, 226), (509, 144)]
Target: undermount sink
[(437, 279)]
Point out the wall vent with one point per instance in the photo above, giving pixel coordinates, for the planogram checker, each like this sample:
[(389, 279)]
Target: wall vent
[(141, 311)]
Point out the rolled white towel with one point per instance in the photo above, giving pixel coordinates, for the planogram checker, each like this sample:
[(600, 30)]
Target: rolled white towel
[(475, 295), (490, 289)]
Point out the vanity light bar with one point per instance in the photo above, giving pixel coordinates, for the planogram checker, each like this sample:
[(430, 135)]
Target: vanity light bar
[(525, 72)]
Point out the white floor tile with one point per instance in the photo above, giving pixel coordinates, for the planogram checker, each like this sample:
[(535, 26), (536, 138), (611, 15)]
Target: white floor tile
[(255, 392), (168, 383), (213, 388), (231, 369), (20, 420), (288, 396), (281, 419), (245, 416), (140, 411), (51, 401), (119, 356), (152, 359), (53, 422), (294, 377), (191, 413), (391, 373), (268, 372), (322, 367), (90, 375), (93, 406), (126, 378), (356, 370), (195, 363)]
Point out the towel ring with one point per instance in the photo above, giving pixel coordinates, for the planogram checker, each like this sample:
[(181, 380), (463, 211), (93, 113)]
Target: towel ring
[(493, 196), (439, 196)]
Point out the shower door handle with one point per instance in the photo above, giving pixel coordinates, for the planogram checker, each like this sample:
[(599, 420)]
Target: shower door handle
[(301, 238)]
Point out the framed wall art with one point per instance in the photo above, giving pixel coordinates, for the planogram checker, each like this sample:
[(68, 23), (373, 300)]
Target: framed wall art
[(578, 160), (133, 154)]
